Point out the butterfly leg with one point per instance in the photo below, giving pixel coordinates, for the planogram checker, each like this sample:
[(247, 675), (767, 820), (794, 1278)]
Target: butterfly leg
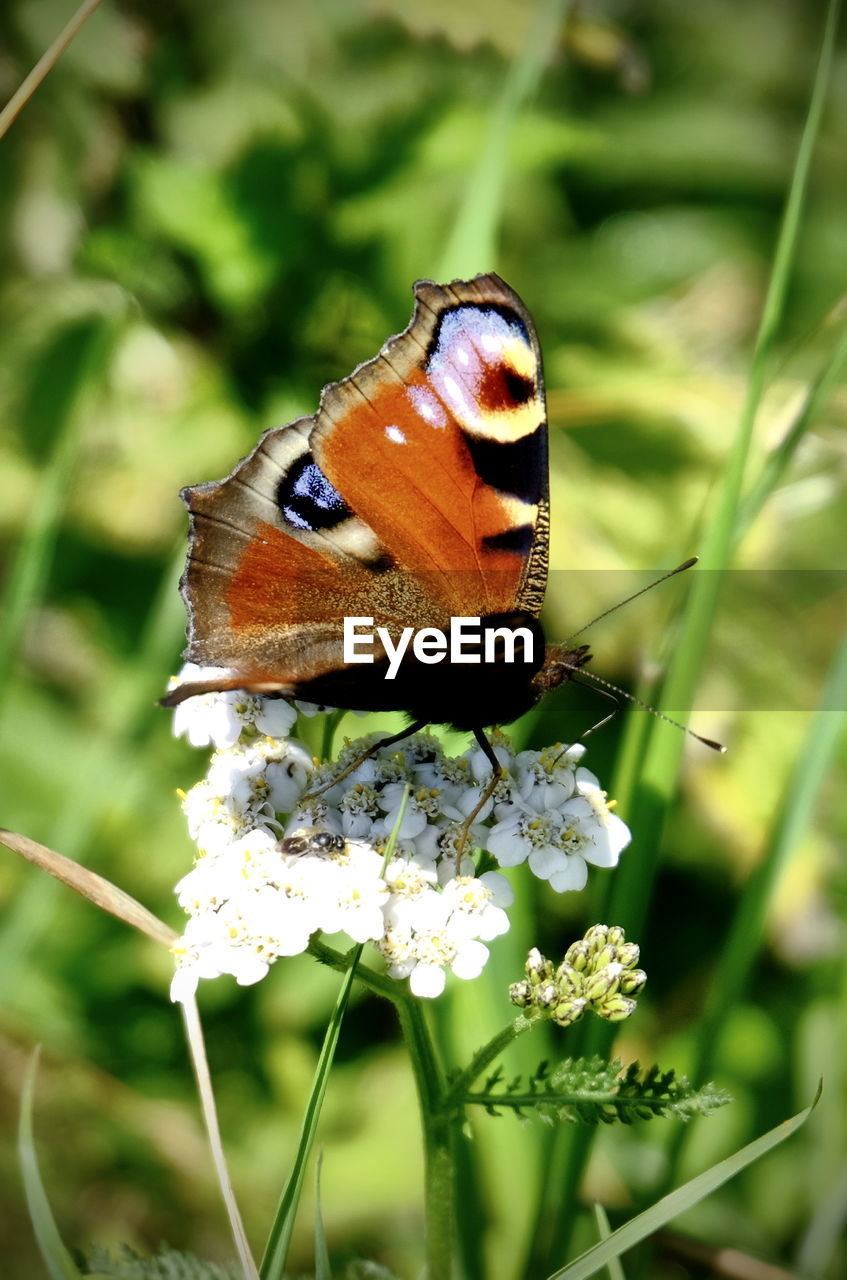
[(496, 775), (414, 727)]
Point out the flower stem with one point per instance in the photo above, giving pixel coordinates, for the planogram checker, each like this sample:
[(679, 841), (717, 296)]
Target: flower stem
[(437, 1121), (438, 1117), (487, 1054)]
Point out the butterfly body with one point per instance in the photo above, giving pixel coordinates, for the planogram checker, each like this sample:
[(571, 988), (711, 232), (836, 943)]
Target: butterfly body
[(415, 496)]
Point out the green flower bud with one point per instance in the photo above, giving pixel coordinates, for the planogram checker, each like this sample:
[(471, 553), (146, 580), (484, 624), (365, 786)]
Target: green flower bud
[(629, 953), (605, 956), (632, 980), (577, 955), (568, 1012), (568, 979), (615, 1008), (520, 993), (596, 937), (604, 983), (597, 969), (538, 968)]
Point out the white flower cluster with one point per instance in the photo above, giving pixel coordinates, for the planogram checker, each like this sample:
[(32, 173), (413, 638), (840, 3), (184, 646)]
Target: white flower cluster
[(275, 866)]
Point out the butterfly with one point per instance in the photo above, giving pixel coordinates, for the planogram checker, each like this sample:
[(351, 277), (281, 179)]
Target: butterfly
[(416, 495)]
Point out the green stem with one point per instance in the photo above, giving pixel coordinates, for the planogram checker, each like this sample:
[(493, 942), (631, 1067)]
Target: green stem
[(439, 1139), (331, 721), (437, 1119), (486, 1055), (341, 961)]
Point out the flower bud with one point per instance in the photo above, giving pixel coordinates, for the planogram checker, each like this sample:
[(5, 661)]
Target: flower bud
[(629, 954), (577, 955), (537, 966), (632, 980), (597, 970), (615, 1008), (546, 994), (596, 937), (603, 983), (520, 993), (568, 1012), (605, 956)]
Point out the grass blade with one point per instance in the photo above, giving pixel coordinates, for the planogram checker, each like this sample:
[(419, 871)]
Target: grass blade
[(473, 242), (75, 360), (279, 1238), (59, 1263), (613, 1266), (684, 1197), (664, 749), (200, 1064), (44, 66), (778, 461), (97, 889), (646, 785), (323, 1271), (793, 819)]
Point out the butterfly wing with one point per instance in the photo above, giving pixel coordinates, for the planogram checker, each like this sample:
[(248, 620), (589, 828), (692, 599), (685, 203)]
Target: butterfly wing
[(440, 446), (417, 492)]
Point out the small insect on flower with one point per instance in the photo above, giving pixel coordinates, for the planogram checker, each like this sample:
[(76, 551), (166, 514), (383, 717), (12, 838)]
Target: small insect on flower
[(311, 840)]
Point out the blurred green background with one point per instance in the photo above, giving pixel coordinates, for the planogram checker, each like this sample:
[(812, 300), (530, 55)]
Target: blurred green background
[(210, 210)]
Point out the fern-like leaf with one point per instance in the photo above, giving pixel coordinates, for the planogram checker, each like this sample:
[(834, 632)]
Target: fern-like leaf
[(591, 1091), (167, 1264)]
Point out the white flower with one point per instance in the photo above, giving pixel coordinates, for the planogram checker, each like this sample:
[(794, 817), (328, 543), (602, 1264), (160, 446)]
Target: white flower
[(422, 955), (430, 930), (359, 808), (419, 808), (215, 818), (207, 719), (411, 885), (604, 835), (287, 767), (480, 765), (252, 897), (477, 904), (559, 842), (516, 834), (217, 719), (546, 779), (354, 893)]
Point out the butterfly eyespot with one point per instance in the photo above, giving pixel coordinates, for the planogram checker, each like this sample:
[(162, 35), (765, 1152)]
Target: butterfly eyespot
[(307, 500), (518, 387)]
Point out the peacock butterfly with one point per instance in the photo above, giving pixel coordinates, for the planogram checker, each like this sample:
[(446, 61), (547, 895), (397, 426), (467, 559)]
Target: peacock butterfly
[(415, 500)]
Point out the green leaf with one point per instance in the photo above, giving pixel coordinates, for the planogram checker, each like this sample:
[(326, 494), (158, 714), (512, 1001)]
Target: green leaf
[(614, 1268), (591, 1091), (670, 1206), (323, 1271), (165, 1264), (61, 382), (58, 1261), (473, 243)]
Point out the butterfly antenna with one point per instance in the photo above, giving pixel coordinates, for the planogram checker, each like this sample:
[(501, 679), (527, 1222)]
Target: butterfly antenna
[(680, 568), (581, 676)]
